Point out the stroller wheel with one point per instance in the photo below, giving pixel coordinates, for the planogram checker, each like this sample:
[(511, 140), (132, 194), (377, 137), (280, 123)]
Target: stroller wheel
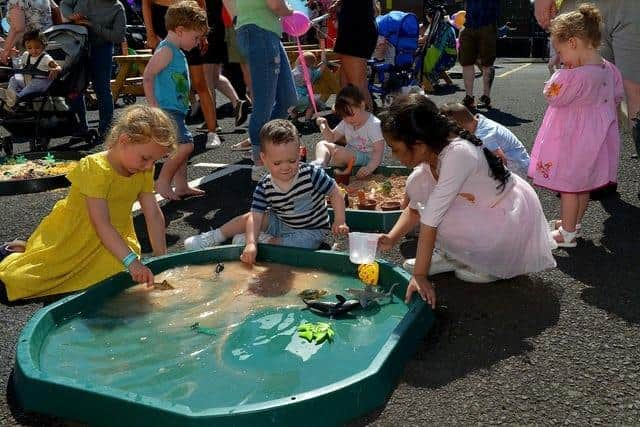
[(129, 99), (92, 138), (7, 145), (40, 143)]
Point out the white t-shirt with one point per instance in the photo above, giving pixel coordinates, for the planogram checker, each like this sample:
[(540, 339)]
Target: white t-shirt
[(363, 138), (44, 63)]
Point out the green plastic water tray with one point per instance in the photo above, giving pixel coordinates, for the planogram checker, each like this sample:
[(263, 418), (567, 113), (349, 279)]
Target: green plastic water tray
[(373, 221), (76, 365)]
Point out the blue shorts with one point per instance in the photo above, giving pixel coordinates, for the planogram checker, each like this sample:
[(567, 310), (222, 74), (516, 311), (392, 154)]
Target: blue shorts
[(184, 134), (362, 158), (306, 238)]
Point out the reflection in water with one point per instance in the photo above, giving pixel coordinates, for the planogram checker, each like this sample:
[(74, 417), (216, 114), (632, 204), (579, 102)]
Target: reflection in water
[(141, 340)]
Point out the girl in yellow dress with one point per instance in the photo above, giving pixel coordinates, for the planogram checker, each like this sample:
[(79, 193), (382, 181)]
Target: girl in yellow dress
[(89, 235)]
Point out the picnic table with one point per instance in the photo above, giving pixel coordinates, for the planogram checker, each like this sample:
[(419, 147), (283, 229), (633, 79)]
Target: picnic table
[(128, 81)]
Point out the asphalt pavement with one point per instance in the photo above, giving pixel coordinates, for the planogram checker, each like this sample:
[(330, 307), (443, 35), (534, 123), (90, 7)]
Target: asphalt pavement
[(555, 347)]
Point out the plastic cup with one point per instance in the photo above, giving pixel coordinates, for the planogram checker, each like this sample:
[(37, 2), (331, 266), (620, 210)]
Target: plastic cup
[(363, 247)]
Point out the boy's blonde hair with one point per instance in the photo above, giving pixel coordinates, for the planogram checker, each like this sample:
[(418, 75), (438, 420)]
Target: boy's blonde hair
[(186, 14), (143, 124), (457, 112), (584, 23), (278, 131)]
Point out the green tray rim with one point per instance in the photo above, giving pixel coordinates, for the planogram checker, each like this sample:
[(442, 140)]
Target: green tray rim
[(34, 387)]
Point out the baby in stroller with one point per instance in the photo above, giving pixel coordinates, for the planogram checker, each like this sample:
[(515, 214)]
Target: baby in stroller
[(42, 114), (38, 71)]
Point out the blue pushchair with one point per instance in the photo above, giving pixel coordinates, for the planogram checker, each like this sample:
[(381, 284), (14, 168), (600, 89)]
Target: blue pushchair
[(386, 78)]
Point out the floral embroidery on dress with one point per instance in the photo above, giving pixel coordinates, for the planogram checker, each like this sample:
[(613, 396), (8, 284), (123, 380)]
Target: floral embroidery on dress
[(553, 89), (544, 168)]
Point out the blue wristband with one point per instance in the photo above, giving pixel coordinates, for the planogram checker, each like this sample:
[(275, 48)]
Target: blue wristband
[(126, 261)]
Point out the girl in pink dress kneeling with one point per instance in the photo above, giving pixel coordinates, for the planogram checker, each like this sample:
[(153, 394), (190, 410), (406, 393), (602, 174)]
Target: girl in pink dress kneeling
[(578, 143), (473, 209)]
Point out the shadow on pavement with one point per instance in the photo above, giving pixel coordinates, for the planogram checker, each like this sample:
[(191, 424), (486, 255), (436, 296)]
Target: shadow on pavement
[(504, 118), (227, 197), (479, 325), (611, 271)]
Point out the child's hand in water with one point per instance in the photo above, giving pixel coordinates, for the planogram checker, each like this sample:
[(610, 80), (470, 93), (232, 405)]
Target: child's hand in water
[(140, 273), (249, 254)]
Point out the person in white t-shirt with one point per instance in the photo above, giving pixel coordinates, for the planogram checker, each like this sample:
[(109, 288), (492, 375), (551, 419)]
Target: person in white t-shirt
[(38, 71), (360, 129)]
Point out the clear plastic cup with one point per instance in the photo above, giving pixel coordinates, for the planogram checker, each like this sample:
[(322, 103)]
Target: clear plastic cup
[(363, 247)]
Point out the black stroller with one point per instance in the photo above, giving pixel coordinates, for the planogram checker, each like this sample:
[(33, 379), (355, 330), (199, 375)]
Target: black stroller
[(38, 117)]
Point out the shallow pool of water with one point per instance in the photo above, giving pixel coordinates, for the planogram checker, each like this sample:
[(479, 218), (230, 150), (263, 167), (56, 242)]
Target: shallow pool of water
[(142, 340)]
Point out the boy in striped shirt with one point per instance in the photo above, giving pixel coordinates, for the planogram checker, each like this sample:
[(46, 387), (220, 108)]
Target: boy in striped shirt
[(288, 206)]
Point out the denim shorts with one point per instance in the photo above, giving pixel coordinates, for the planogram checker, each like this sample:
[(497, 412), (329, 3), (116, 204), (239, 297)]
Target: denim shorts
[(362, 158), (184, 134), (306, 238)]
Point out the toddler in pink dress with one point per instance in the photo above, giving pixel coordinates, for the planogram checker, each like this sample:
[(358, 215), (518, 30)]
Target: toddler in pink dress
[(578, 144)]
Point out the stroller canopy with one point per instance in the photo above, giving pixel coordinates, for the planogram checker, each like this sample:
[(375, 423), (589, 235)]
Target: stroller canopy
[(401, 29)]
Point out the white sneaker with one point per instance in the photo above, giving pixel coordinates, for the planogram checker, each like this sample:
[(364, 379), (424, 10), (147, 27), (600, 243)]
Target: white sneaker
[(213, 140), (201, 241), (440, 263), (468, 275), (258, 172), (241, 239)]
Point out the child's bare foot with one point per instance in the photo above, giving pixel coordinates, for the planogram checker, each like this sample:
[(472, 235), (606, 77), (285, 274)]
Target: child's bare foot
[(165, 190), (183, 193)]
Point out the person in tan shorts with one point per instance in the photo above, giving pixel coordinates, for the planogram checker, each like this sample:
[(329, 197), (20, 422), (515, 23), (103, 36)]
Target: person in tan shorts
[(621, 44), (478, 45)]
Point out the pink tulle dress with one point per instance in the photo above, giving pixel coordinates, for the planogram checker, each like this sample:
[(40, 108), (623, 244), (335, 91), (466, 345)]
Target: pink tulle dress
[(500, 233), (578, 145)]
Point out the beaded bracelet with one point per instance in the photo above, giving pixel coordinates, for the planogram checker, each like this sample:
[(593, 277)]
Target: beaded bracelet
[(126, 261)]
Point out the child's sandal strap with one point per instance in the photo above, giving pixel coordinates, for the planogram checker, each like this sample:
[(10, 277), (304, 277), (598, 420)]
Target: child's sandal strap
[(568, 238)]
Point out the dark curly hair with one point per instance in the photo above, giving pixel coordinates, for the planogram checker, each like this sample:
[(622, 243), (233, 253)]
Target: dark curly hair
[(415, 119)]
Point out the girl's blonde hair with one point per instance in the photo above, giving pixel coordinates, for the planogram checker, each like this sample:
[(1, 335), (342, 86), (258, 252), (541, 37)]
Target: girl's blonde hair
[(584, 23), (143, 124)]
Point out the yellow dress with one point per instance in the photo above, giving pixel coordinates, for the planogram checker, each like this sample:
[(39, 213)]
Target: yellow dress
[(64, 254)]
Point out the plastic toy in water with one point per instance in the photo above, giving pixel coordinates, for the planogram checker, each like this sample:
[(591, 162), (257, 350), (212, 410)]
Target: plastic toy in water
[(318, 332), (202, 330), (219, 269), (296, 24), (369, 273), (162, 286), (368, 295), (312, 293), (331, 309)]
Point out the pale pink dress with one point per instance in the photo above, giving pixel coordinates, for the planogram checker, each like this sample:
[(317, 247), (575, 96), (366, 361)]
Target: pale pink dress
[(501, 233), (578, 145)]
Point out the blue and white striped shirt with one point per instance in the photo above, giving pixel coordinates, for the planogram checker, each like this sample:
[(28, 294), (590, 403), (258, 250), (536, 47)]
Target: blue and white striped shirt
[(303, 205)]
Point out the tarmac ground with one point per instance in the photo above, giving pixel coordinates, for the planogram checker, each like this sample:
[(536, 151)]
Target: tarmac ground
[(556, 347)]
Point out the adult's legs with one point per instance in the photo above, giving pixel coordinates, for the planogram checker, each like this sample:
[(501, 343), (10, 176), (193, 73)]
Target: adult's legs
[(469, 75), (354, 71), (262, 50), (246, 76), (285, 90), (199, 83), (100, 69)]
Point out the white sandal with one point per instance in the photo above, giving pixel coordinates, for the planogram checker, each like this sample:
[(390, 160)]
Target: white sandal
[(553, 226), (568, 238)]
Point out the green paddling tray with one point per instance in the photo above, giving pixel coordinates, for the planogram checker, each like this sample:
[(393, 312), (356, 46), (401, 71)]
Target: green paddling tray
[(373, 221), (103, 373)]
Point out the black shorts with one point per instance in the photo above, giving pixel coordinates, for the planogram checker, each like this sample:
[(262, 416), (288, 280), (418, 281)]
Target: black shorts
[(215, 54), (357, 35)]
